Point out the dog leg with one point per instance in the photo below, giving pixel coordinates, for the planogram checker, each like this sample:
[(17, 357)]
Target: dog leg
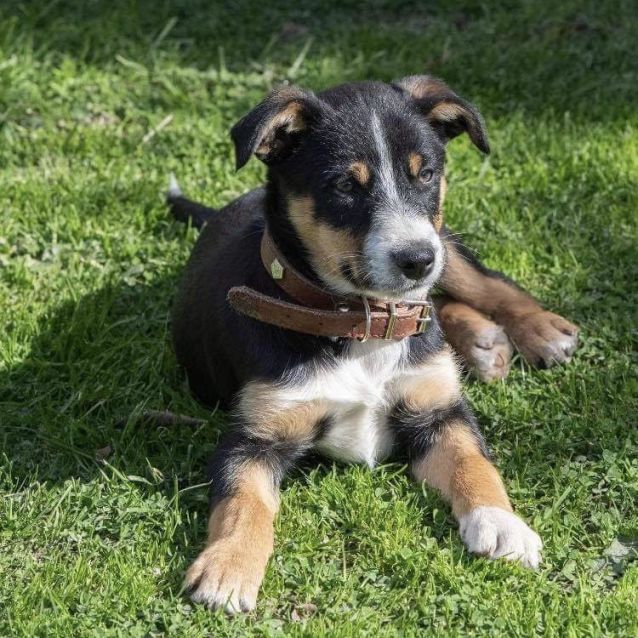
[(457, 466), (482, 344), (542, 337), (272, 433), (433, 423), (244, 501)]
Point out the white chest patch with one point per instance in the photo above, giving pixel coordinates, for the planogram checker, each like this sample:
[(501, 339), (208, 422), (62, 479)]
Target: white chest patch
[(360, 391)]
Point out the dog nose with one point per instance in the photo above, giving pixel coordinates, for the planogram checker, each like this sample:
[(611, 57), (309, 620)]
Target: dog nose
[(416, 261)]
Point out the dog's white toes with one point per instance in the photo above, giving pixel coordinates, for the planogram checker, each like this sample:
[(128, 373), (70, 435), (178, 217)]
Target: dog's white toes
[(219, 579), (490, 355), (226, 593), (496, 533), (229, 597), (544, 338)]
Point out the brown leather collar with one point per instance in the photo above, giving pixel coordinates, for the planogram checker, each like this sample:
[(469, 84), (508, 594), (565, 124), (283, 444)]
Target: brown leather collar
[(318, 312)]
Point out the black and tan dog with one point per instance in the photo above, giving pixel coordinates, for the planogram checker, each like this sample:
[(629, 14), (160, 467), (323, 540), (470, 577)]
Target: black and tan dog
[(351, 217)]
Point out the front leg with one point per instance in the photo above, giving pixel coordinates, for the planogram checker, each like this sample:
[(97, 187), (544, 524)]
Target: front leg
[(457, 465), (440, 434), (227, 574), (542, 337), (246, 472)]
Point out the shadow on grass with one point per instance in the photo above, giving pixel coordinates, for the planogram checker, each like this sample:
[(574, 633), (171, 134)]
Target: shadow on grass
[(541, 57), (96, 364)]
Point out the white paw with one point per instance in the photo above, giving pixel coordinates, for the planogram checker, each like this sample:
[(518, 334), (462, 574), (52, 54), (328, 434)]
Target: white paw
[(496, 533), (226, 593), (222, 578)]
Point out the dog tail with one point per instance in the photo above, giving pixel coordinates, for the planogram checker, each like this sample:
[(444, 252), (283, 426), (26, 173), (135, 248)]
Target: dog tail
[(185, 210)]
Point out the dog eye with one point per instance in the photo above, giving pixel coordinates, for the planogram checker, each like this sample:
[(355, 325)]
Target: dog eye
[(344, 185), (425, 175)]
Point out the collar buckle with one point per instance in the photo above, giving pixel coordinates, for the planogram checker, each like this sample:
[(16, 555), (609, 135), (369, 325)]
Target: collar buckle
[(424, 318)]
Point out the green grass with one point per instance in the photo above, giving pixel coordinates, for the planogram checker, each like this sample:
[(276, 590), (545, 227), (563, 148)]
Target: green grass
[(89, 262)]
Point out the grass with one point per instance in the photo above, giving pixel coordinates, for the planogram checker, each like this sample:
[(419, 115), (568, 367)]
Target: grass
[(89, 262)]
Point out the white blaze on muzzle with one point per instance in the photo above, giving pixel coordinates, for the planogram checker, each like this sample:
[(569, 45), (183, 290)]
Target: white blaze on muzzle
[(395, 227)]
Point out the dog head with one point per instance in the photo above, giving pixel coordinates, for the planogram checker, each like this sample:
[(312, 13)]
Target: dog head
[(358, 175)]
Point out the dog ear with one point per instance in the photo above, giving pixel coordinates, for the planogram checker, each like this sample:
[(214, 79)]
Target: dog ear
[(274, 128), (448, 114)]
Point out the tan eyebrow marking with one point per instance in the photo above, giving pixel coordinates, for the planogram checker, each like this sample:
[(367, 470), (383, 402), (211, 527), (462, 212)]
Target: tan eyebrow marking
[(415, 162), (361, 172)]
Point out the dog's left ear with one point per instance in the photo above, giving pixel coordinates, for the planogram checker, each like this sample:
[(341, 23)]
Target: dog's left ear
[(274, 128), (448, 114)]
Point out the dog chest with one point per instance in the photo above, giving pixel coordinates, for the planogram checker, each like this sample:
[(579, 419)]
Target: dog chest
[(359, 394)]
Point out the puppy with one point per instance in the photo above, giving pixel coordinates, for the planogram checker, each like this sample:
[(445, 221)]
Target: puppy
[(305, 307)]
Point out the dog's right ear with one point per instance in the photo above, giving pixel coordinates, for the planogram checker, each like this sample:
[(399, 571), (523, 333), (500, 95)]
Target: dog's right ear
[(274, 128)]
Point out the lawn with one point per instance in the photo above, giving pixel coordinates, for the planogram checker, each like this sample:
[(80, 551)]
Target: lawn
[(101, 514)]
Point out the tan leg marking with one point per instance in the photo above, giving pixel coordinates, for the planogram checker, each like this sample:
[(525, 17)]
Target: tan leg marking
[(455, 464), (487, 525), (272, 417), (482, 344), (434, 385), (541, 336), (456, 467), (490, 295), (228, 573)]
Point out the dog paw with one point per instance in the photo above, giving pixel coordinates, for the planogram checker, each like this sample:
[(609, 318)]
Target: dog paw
[(223, 577), (497, 533), (482, 344), (490, 353), (544, 338)]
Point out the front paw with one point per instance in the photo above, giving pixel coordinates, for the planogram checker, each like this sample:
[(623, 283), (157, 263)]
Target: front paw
[(544, 338), (489, 354), (497, 533), (224, 577)]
